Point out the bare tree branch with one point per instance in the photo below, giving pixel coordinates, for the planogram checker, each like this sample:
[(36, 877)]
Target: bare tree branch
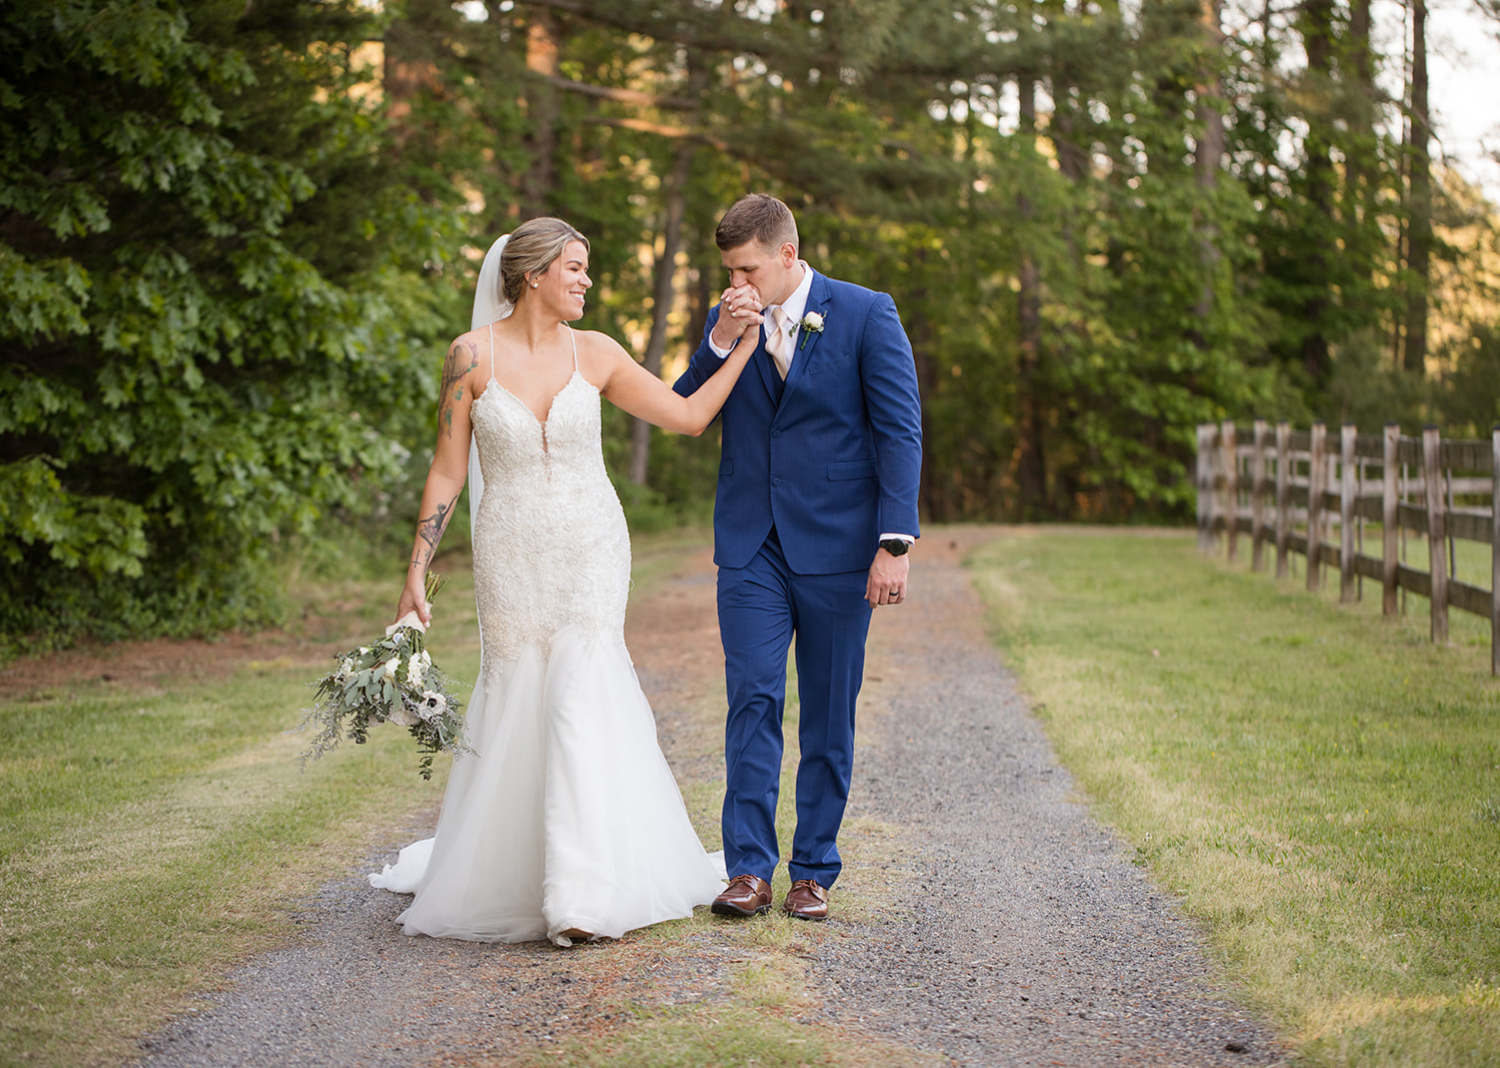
[(674, 132), (677, 31), (623, 96)]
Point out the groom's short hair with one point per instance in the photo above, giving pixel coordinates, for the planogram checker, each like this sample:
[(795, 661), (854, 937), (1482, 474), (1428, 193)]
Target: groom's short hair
[(759, 218)]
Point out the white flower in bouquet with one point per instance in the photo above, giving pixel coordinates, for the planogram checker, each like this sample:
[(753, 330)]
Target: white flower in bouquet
[(426, 660), (414, 672), (433, 705), (391, 665)]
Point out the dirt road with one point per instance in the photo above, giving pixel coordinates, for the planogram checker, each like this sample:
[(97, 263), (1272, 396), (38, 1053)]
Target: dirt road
[(984, 917)]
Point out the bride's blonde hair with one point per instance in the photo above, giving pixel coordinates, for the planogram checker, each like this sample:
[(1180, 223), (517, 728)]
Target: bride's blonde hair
[(532, 248)]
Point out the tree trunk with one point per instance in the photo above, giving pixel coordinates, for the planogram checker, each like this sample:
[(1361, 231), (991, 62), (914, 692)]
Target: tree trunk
[(666, 272), (407, 70), (1209, 158), (1031, 467), (1419, 206), (542, 109), (1318, 38), (1362, 160)]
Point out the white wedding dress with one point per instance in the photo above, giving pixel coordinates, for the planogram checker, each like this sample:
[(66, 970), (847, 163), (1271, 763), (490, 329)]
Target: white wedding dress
[(566, 815)]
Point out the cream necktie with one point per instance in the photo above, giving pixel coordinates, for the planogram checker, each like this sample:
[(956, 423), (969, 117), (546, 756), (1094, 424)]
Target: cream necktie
[(778, 344)]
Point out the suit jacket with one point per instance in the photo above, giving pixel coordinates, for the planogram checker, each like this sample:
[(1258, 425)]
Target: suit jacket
[(833, 456)]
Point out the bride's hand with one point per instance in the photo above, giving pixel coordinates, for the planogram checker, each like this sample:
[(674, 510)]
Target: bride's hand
[(414, 599), (739, 313)]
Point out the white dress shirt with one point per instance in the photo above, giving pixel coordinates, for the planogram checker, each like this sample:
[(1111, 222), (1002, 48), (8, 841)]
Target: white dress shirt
[(794, 307)]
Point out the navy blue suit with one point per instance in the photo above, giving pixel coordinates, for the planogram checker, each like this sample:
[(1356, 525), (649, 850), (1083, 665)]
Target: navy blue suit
[(813, 471)]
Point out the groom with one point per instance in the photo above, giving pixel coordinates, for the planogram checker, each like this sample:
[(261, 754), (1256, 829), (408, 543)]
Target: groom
[(815, 513)]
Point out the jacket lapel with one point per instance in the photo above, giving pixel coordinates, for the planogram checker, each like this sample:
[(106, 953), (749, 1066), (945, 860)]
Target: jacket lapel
[(818, 298)]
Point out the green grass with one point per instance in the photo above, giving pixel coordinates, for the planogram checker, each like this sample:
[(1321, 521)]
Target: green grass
[(769, 1030), (1320, 785)]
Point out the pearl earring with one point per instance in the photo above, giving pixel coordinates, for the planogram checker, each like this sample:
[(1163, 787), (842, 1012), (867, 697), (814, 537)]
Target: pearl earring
[(533, 285)]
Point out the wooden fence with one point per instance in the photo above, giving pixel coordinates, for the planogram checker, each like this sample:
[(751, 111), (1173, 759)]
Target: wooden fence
[(1290, 490)]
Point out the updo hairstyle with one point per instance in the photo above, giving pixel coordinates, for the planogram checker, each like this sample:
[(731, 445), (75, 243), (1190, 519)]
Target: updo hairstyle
[(532, 248)]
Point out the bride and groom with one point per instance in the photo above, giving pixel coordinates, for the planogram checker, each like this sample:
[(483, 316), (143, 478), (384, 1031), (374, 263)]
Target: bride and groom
[(565, 822)]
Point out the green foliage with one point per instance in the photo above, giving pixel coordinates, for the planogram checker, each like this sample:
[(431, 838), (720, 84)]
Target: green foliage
[(229, 258), (207, 274)]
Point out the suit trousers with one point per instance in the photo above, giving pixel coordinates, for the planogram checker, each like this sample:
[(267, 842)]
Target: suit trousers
[(762, 608)]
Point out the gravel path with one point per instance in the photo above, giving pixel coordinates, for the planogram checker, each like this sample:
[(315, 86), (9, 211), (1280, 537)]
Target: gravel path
[(991, 920), (1022, 933)]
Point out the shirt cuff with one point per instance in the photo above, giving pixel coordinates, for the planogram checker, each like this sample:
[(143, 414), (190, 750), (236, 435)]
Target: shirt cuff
[(722, 354), (908, 538)]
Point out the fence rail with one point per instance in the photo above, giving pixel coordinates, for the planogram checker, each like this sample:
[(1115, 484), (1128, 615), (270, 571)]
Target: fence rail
[(1290, 490)]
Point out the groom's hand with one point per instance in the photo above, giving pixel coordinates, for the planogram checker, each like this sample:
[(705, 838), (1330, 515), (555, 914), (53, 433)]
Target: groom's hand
[(739, 311), (887, 584)]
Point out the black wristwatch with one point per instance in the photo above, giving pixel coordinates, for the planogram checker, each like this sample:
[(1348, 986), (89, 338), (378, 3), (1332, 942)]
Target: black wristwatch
[(895, 546)]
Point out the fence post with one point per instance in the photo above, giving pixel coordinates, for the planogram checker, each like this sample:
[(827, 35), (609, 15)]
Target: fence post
[(1258, 499), (1205, 480), (1283, 519), (1437, 533), (1389, 519), (1231, 486), (1495, 551), (1347, 434), (1317, 472)]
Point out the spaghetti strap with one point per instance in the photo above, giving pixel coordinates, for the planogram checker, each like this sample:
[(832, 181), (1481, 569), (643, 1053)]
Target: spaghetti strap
[(572, 335)]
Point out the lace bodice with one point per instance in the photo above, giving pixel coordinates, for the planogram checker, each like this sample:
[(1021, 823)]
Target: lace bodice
[(550, 543)]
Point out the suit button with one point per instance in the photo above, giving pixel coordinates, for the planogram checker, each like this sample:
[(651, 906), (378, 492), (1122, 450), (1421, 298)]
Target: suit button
[(776, 433), (775, 481)]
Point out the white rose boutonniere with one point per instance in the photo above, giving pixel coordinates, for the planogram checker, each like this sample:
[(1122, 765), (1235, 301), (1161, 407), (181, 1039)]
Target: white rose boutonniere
[(812, 323)]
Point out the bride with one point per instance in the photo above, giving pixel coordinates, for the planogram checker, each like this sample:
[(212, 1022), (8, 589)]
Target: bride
[(565, 822)]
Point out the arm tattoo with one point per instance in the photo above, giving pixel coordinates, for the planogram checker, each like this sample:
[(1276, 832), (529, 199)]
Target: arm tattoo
[(430, 531), (462, 358)]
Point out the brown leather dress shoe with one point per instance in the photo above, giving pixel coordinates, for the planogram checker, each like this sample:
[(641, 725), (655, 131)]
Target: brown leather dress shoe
[(806, 900), (746, 895)]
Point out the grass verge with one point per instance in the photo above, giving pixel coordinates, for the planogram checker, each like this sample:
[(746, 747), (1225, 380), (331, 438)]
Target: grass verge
[(1318, 784)]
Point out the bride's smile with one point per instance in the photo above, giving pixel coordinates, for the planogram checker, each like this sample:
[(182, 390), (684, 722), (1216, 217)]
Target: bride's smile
[(563, 287)]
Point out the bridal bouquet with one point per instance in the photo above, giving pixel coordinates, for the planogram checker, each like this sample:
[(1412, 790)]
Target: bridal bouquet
[(392, 680)]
